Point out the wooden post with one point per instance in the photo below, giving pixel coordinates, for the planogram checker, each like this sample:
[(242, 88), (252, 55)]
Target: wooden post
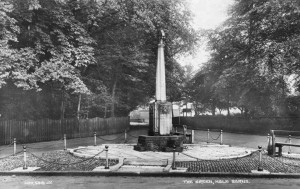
[(65, 142), (106, 150), (259, 165), (15, 146), (207, 136), (221, 137), (24, 163), (290, 141), (95, 139), (173, 163), (192, 136)]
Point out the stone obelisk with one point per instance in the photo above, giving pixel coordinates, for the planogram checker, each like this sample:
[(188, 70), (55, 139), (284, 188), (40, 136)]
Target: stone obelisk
[(160, 111)]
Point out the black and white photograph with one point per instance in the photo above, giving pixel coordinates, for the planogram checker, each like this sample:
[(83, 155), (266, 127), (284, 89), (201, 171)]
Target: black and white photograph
[(163, 94)]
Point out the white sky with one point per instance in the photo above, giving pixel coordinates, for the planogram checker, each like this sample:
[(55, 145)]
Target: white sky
[(208, 14)]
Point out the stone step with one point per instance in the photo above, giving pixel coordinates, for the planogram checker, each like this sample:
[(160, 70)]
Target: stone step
[(141, 169), (140, 162)]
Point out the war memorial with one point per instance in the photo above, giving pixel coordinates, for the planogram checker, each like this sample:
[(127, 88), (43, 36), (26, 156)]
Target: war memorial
[(161, 133)]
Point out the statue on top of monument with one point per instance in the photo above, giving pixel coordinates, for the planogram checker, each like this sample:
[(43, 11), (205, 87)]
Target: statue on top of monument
[(162, 36)]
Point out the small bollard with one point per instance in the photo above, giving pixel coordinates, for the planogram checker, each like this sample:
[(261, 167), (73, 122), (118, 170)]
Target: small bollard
[(125, 136), (95, 139), (207, 136), (65, 142), (24, 165), (290, 141), (221, 137), (15, 146), (173, 163), (106, 149), (192, 136), (259, 165)]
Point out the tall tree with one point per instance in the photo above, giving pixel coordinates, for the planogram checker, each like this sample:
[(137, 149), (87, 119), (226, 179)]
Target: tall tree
[(95, 56), (254, 53)]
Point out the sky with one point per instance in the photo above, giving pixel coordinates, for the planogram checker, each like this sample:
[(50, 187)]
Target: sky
[(208, 14)]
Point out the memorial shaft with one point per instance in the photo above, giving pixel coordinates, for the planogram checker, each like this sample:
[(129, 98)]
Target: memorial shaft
[(160, 90), (161, 110)]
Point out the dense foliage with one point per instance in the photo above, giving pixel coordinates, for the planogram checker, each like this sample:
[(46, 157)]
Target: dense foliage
[(67, 58), (254, 57)]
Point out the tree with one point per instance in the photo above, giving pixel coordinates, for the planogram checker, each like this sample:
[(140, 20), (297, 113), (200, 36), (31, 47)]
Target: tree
[(253, 54), (91, 57), (127, 39)]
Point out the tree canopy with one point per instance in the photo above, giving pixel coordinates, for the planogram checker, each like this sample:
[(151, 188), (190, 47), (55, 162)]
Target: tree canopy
[(253, 54), (62, 58)]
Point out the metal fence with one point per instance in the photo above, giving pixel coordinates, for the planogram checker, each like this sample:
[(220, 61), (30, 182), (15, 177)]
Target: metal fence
[(47, 129)]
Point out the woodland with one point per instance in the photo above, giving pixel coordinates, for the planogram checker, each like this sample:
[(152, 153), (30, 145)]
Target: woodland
[(97, 58)]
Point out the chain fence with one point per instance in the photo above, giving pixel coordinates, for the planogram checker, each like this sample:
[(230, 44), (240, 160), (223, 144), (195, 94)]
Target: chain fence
[(213, 139), (10, 155), (132, 135), (56, 143), (121, 135), (7, 147), (64, 164), (199, 159)]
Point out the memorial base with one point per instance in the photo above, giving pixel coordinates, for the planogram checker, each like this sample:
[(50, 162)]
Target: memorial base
[(160, 143), (160, 119)]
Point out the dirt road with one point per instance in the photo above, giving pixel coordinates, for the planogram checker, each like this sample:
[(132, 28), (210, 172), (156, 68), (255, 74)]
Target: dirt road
[(78, 182), (234, 139)]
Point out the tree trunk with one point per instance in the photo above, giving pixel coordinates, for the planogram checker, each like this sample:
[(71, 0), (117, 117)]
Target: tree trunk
[(242, 110), (213, 108), (105, 110), (78, 107), (228, 111), (186, 108), (246, 111), (220, 111), (228, 104), (113, 96), (62, 107), (196, 108)]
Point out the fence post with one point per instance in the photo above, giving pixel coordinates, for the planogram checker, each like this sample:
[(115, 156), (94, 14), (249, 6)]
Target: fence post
[(106, 150), (95, 139), (290, 141), (193, 136), (207, 136), (221, 137), (259, 165), (173, 163), (15, 146), (24, 164), (65, 142)]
